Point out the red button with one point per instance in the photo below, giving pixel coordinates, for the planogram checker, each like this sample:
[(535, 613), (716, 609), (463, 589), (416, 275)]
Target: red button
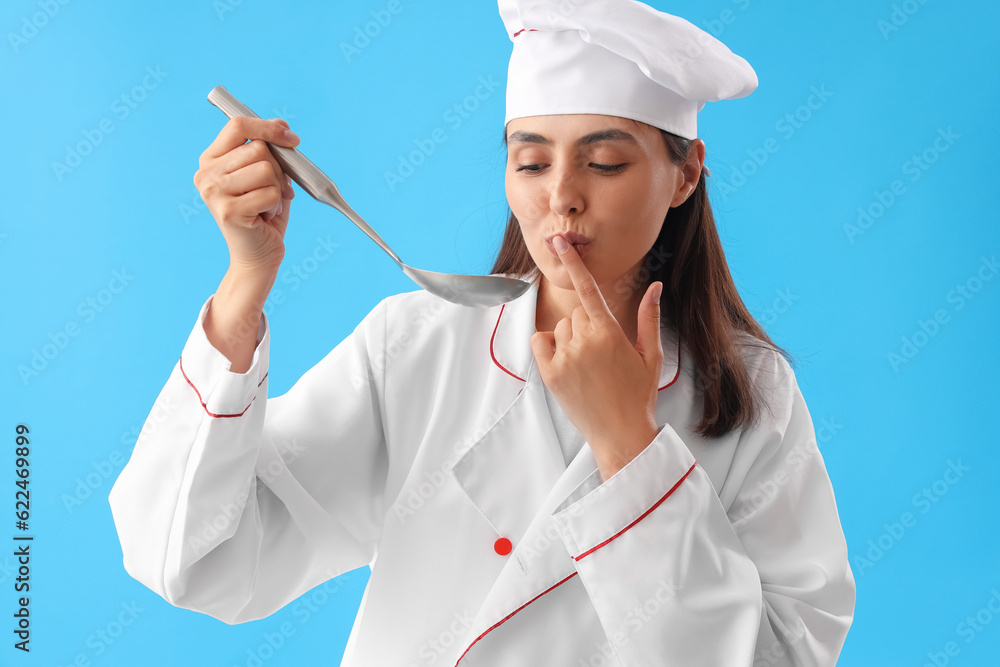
[(502, 546)]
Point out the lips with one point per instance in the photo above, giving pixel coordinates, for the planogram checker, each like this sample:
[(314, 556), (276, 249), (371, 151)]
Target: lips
[(580, 242), (572, 237)]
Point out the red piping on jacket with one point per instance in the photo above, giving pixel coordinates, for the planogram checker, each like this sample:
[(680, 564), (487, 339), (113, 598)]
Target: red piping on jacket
[(522, 30), (501, 367), (203, 405), (655, 505), (500, 622)]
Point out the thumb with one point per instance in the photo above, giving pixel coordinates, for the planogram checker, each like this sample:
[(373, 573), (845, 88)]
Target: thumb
[(648, 343)]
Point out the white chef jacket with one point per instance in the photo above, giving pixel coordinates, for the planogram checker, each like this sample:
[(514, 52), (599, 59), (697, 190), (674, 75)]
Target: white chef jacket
[(422, 445), (569, 436)]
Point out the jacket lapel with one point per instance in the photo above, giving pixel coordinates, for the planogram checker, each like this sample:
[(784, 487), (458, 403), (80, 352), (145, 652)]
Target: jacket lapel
[(510, 470), (515, 474)]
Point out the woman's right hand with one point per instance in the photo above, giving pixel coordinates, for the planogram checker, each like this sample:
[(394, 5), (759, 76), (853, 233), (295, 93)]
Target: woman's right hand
[(247, 191)]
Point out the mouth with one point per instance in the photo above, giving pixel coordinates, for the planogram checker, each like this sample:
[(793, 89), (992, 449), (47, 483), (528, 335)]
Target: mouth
[(572, 237), (580, 243)]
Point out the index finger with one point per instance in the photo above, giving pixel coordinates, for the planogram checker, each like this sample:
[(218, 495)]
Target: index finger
[(243, 128), (586, 287)]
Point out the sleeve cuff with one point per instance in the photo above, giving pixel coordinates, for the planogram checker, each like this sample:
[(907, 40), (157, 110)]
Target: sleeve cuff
[(222, 393), (595, 513)]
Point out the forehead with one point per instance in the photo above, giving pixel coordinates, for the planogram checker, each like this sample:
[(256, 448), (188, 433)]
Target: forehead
[(579, 128)]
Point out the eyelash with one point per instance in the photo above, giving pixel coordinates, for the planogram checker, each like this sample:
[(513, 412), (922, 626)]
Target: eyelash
[(606, 168)]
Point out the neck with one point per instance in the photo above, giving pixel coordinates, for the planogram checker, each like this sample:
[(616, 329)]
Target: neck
[(555, 303)]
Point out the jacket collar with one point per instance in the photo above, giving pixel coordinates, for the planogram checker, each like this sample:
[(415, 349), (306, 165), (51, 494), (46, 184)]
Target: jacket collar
[(515, 323), (515, 474)]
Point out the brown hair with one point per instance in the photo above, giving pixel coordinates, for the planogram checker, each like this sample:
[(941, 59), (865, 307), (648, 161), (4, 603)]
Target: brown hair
[(699, 300)]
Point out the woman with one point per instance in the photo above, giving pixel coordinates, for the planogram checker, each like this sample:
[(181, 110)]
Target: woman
[(594, 473)]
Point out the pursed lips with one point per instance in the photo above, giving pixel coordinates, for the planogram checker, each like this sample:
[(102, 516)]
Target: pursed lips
[(581, 248)]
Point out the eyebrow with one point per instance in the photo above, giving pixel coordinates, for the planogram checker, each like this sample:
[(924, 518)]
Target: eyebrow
[(523, 136)]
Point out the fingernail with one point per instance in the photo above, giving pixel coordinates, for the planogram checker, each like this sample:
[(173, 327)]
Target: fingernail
[(560, 244), (657, 290), (291, 136)]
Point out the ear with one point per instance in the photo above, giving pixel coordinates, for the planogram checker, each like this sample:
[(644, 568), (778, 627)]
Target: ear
[(690, 172)]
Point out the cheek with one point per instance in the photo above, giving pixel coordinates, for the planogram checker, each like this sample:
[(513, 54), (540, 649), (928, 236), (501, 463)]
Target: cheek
[(526, 201), (648, 203)]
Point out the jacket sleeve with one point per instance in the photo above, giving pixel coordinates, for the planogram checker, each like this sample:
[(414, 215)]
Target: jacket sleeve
[(676, 579), (232, 503)]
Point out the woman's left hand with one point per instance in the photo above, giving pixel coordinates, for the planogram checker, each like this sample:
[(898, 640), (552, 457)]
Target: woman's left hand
[(605, 385)]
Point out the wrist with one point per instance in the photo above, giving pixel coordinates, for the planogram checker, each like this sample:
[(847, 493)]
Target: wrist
[(612, 453), (236, 307), (247, 287)]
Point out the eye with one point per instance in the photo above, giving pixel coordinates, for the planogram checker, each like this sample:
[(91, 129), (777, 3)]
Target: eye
[(529, 167), (610, 168)]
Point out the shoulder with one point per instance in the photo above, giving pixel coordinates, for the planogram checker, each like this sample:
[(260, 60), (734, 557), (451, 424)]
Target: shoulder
[(418, 315), (770, 373), (763, 361), (766, 367), (408, 306)]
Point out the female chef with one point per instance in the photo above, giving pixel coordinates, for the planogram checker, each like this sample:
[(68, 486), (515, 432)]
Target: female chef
[(615, 468)]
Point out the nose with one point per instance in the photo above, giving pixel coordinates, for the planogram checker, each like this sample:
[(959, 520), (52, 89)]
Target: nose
[(565, 195)]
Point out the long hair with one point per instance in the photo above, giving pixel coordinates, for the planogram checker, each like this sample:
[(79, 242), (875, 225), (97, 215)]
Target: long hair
[(699, 300)]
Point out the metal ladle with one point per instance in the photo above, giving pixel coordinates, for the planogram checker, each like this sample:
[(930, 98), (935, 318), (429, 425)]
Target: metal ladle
[(461, 289)]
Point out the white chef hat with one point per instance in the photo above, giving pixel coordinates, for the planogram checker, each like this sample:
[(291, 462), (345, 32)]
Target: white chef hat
[(616, 58)]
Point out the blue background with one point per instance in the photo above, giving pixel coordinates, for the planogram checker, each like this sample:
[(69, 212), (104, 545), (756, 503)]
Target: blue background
[(841, 302)]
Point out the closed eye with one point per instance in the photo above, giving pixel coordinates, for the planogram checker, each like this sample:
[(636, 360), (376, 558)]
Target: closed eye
[(607, 168), (610, 168)]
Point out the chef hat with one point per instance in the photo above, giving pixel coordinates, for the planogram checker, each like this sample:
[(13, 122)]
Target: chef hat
[(616, 58)]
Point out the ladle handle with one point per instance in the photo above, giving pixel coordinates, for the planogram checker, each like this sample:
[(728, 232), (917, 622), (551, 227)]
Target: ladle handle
[(295, 164), (301, 169)]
